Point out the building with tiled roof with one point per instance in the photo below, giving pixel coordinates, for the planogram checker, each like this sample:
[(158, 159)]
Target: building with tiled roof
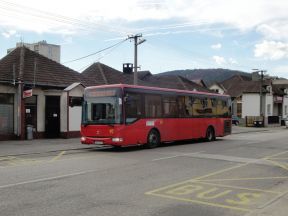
[(32, 92), (245, 93), (101, 74)]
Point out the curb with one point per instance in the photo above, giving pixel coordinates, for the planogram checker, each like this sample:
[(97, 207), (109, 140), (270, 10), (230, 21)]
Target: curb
[(257, 131)]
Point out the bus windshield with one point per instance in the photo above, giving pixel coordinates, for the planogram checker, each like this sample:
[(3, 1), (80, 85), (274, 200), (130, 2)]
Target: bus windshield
[(102, 106)]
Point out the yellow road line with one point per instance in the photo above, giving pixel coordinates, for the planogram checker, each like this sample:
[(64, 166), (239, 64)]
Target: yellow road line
[(238, 166), (221, 171), (58, 156), (200, 202), (275, 155), (236, 187), (277, 164), (246, 179), (216, 172)]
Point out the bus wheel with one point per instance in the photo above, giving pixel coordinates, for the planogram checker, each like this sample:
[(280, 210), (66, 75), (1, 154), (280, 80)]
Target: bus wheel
[(153, 139), (210, 134)]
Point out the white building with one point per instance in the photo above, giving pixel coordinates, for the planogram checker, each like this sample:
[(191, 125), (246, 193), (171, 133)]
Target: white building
[(50, 51)]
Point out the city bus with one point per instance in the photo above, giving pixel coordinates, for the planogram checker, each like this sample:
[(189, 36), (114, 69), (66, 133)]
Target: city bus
[(123, 115)]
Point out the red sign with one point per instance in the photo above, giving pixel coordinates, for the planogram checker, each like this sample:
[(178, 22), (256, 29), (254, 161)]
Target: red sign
[(27, 93)]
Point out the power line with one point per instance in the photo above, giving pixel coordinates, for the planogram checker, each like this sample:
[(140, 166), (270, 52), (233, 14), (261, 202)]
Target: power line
[(77, 59), (16, 8)]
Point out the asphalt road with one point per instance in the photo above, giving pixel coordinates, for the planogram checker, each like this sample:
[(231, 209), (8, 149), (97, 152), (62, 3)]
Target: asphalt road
[(241, 174)]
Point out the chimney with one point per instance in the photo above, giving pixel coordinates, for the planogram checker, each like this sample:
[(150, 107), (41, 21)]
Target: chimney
[(127, 68)]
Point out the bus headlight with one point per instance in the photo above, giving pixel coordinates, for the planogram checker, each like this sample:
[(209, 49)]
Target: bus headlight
[(117, 139), (83, 139)]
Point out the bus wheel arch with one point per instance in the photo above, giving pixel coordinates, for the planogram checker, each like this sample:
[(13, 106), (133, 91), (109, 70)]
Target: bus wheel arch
[(153, 138), (210, 134)]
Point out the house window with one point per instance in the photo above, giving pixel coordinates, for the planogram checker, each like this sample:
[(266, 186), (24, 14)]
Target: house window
[(285, 110), (268, 109)]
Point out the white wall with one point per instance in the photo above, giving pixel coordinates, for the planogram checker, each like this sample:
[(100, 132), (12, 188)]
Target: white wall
[(285, 103), (216, 87), (75, 118), (250, 104), (63, 112), (268, 101), (76, 111)]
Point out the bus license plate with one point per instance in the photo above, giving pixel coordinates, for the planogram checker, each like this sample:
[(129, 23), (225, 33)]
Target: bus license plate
[(98, 142)]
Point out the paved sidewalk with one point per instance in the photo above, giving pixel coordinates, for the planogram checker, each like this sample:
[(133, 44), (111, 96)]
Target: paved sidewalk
[(239, 129), (17, 147)]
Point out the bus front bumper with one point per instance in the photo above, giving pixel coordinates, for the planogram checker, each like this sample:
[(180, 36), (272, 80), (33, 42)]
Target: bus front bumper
[(115, 141)]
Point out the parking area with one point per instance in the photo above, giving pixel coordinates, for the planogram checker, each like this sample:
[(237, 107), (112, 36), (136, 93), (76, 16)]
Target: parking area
[(245, 187), (242, 174)]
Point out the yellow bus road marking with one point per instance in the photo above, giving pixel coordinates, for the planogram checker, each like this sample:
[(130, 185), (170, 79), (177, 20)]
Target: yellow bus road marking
[(198, 190), (201, 202), (58, 156), (230, 197), (236, 187)]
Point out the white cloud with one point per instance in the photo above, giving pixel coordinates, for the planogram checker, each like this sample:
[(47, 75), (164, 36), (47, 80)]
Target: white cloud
[(216, 46), (276, 30), (114, 15), (232, 61), (271, 50), (219, 60), (8, 34), (280, 71)]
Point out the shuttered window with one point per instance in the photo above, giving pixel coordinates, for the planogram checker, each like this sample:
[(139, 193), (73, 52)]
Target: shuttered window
[(6, 114)]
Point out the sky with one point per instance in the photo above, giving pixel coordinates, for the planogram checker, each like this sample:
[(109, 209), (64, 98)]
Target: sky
[(179, 34)]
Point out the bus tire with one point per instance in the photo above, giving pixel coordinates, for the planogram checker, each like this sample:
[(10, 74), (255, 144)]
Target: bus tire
[(153, 139), (210, 134)]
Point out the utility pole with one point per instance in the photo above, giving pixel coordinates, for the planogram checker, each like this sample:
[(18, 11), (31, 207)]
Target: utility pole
[(136, 43), (20, 113), (261, 91)]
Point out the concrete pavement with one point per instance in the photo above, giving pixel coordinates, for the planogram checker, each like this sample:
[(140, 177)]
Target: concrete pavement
[(22, 147)]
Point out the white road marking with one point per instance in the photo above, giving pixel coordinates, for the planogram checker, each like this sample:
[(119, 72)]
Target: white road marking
[(46, 179)]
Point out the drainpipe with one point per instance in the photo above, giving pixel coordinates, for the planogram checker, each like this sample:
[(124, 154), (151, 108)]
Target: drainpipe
[(67, 136)]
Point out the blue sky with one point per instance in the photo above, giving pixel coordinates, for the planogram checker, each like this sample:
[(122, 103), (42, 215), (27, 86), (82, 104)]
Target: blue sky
[(180, 34)]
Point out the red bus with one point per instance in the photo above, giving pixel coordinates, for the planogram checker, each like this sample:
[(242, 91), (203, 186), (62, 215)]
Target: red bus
[(126, 115)]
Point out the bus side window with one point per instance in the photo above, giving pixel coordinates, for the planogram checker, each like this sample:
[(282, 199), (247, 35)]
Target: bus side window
[(197, 107), (133, 107), (183, 112), (189, 106), (153, 108), (170, 107)]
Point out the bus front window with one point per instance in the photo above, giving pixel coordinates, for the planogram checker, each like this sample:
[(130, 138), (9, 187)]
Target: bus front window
[(102, 110)]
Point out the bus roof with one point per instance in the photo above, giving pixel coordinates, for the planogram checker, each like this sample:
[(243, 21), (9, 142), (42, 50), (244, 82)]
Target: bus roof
[(155, 88)]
